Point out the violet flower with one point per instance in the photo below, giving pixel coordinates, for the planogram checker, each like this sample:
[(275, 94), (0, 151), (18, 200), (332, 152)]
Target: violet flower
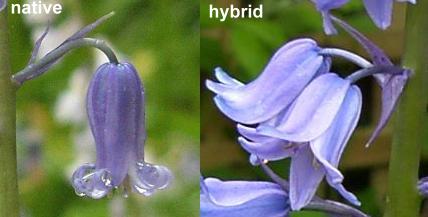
[(115, 106), (242, 199), (291, 68), (313, 132), (380, 11)]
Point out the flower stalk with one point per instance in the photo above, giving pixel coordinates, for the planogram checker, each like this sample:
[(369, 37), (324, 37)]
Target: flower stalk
[(411, 121), (9, 205), (33, 70)]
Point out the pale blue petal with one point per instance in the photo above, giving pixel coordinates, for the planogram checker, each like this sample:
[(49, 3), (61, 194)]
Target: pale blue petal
[(313, 111), (380, 11), (289, 71), (305, 176), (242, 199)]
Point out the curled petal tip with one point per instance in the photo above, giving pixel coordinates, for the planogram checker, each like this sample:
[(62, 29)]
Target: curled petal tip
[(90, 182), (151, 178)]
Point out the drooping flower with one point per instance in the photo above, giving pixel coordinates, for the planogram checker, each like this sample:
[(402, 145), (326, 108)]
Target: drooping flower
[(314, 132), (380, 11), (115, 106), (242, 199), (291, 68)]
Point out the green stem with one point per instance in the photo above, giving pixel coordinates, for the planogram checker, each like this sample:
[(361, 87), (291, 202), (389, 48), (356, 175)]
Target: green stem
[(411, 120), (9, 206)]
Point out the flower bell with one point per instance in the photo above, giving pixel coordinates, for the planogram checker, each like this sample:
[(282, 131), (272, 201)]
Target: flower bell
[(115, 107), (291, 68), (3, 4), (242, 199), (314, 132)]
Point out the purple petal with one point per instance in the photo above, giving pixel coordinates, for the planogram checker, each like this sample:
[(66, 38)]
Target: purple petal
[(88, 181), (380, 11), (313, 111), (242, 199), (305, 176), (328, 148), (114, 105), (289, 71), (273, 149)]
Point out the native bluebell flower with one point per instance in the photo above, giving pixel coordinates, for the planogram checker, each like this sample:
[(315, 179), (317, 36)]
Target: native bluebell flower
[(380, 11), (313, 131), (242, 199), (291, 68), (115, 106)]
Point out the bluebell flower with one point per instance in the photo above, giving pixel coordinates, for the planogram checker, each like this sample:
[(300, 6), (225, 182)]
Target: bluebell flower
[(115, 106), (313, 131), (242, 199), (291, 68), (380, 11)]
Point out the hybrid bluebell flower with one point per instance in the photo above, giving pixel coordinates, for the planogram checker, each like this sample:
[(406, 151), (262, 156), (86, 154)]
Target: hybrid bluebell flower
[(314, 132), (291, 68), (380, 11), (115, 106), (242, 199)]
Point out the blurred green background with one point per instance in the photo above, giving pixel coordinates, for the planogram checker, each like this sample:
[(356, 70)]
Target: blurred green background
[(161, 38), (242, 47)]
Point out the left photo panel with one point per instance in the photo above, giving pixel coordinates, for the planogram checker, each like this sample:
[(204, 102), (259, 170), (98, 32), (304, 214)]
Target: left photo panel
[(99, 108)]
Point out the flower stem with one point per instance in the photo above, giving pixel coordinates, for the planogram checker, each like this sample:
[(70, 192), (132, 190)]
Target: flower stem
[(411, 124), (34, 70), (360, 61), (9, 206)]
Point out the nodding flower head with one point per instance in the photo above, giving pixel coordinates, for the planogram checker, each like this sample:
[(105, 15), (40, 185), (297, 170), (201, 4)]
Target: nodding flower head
[(291, 68), (115, 106)]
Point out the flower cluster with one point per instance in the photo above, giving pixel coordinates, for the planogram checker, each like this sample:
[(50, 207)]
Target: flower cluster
[(297, 108), (380, 11)]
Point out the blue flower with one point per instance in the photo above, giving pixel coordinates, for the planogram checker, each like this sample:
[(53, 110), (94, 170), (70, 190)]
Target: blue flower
[(291, 68), (313, 131), (380, 11), (115, 106), (242, 199)]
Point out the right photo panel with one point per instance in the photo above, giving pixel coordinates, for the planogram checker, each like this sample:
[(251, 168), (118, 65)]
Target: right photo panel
[(314, 108)]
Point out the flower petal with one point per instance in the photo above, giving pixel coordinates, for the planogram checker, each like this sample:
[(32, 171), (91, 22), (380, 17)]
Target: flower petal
[(328, 148), (273, 149), (242, 199), (289, 71), (114, 105), (304, 177), (380, 11), (313, 111)]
